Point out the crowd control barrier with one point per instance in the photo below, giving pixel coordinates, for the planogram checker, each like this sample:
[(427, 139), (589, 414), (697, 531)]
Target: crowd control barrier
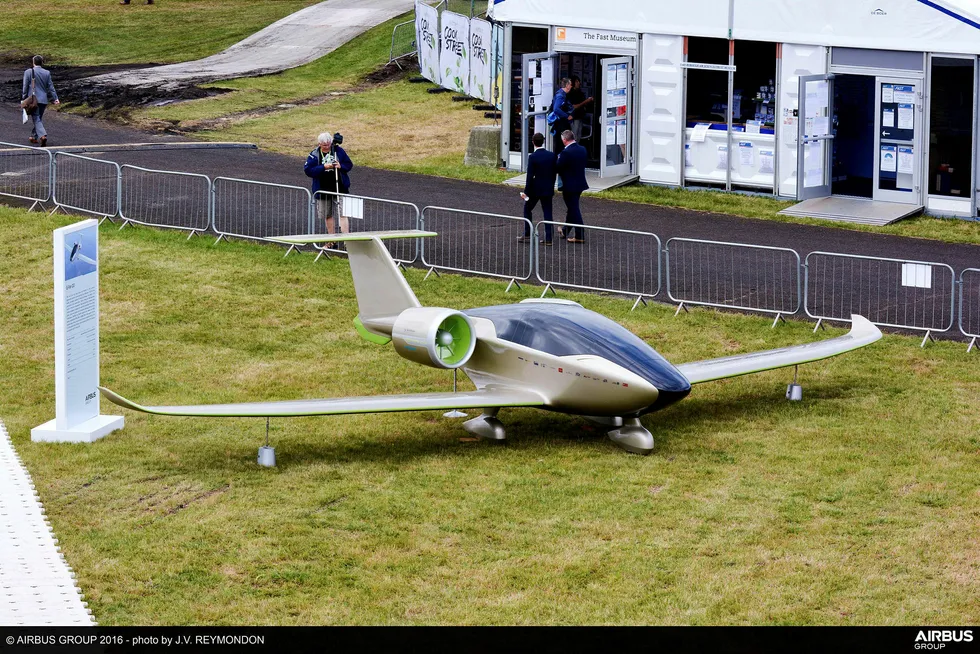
[(610, 260), (916, 295), (259, 211), (733, 276), (164, 198), (85, 184), (366, 214), (969, 319), (25, 173), (478, 243)]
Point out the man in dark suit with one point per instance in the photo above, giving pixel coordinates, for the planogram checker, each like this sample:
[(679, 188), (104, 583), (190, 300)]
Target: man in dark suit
[(571, 167), (540, 186)]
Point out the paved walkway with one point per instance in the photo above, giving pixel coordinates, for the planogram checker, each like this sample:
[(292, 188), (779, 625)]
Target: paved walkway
[(293, 41), (37, 587)]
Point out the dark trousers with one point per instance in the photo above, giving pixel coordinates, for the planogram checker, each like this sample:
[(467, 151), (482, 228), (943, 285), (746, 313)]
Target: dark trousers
[(574, 215), (529, 205)]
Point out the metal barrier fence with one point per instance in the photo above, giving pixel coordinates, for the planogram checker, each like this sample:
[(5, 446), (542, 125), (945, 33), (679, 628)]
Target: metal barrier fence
[(366, 214), (163, 198), (477, 243), (85, 184), (733, 276), (402, 41), (969, 321), (25, 173), (611, 260), (916, 295), (259, 210)]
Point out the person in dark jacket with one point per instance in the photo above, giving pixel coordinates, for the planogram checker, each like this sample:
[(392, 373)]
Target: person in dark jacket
[(328, 166), (562, 109), (571, 167), (540, 186), (37, 82)]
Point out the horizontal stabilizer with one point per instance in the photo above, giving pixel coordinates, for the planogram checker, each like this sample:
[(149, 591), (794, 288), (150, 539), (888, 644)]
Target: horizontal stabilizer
[(303, 239), (487, 397), (862, 333)]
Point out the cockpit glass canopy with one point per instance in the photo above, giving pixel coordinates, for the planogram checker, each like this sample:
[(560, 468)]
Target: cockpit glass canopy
[(568, 330)]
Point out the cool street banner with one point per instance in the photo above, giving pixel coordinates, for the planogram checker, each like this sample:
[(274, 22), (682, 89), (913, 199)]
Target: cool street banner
[(454, 63), (481, 79), (427, 38)]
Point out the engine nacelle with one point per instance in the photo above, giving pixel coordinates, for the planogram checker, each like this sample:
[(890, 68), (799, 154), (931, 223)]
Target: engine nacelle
[(440, 338)]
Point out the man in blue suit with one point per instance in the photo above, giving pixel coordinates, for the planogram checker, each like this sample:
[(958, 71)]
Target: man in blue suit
[(571, 167), (540, 186), (562, 110)]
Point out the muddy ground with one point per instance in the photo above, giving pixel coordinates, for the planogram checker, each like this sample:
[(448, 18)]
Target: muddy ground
[(115, 102)]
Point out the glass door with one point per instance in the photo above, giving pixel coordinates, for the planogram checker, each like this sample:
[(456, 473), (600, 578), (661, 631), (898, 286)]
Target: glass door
[(816, 135), (539, 70), (617, 116), (898, 124)]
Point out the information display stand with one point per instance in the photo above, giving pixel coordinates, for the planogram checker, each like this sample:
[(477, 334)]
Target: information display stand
[(76, 339)]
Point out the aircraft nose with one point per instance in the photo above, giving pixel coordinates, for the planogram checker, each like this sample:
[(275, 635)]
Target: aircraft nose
[(673, 387)]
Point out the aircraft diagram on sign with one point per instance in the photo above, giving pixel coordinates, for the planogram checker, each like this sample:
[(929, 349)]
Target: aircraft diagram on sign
[(544, 353)]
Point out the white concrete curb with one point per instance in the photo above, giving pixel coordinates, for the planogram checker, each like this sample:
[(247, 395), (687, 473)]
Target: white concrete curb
[(37, 587)]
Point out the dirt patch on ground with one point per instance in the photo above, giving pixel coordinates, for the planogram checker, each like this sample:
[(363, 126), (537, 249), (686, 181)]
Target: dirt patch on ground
[(116, 103)]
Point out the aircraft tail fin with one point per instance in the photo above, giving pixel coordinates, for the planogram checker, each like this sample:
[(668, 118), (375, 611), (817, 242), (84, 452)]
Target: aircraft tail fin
[(382, 291)]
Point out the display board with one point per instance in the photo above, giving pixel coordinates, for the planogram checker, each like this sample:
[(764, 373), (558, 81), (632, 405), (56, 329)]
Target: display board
[(76, 339), (454, 62), (427, 38), (481, 72)]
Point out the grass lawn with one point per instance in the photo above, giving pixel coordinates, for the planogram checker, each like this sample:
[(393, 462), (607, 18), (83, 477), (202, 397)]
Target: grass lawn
[(90, 32), (859, 505)]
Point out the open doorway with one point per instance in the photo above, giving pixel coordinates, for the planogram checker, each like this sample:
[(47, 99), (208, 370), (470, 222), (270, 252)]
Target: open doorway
[(852, 170)]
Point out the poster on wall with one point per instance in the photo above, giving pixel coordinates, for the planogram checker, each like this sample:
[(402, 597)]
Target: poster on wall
[(481, 72), (454, 62), (427, 38)]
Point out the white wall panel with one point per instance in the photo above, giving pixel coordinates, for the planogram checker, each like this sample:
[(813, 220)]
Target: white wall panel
[(661, 109), (797, 60)]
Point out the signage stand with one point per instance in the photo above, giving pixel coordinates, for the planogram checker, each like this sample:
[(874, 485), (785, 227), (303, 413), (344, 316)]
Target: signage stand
[(76, 340)]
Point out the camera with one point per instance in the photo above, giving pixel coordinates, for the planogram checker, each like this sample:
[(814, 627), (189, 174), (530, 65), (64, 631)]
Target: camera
[(338, 138)]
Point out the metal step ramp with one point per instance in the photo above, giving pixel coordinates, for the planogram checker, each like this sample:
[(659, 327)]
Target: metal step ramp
[(853, 210), (596, 183)]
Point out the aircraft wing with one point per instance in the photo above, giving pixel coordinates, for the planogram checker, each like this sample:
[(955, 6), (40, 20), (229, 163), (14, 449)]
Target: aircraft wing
[(486, 397), (862, 333)]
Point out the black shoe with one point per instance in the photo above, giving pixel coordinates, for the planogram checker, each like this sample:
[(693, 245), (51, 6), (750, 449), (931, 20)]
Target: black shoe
[(523, 239), (576, 240), (544, 242)]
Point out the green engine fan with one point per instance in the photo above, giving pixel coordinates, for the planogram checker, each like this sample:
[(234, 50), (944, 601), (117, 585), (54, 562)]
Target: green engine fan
[(441, 338)]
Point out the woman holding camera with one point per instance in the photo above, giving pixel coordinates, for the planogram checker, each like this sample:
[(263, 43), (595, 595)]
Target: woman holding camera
[(328, 166)]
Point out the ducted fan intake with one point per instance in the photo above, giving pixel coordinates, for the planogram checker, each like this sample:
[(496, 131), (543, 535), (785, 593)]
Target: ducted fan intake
[(440, 338)]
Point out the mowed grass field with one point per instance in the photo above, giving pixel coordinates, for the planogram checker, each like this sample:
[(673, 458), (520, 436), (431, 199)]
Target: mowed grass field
[(858, 505), (93, 32)]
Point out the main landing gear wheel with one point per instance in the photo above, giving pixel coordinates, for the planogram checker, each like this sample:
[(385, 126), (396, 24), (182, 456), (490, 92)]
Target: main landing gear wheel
[(486, 426), (633, 437)]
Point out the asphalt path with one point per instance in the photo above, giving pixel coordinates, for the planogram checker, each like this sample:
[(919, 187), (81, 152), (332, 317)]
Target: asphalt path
[(491, 198), (293, 41)]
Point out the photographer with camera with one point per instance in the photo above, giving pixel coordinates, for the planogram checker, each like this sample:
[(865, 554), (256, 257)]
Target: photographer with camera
[(328, 166)]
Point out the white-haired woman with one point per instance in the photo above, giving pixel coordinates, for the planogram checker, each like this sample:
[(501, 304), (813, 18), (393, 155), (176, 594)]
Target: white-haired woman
[(328, 166)]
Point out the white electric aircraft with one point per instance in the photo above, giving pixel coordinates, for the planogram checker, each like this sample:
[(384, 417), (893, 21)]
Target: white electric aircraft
[(550, 354)]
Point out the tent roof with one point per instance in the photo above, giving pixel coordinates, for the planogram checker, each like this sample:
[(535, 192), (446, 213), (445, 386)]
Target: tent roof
[(951, 26)]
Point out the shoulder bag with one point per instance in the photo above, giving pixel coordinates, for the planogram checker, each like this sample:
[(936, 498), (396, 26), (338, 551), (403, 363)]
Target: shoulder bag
[(29, 104)]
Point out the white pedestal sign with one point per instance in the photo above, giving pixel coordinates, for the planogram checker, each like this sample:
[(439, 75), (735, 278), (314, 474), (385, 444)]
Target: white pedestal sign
[(76, 339)]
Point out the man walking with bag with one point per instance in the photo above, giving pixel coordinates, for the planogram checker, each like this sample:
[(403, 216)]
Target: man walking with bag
[(37, 92)]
